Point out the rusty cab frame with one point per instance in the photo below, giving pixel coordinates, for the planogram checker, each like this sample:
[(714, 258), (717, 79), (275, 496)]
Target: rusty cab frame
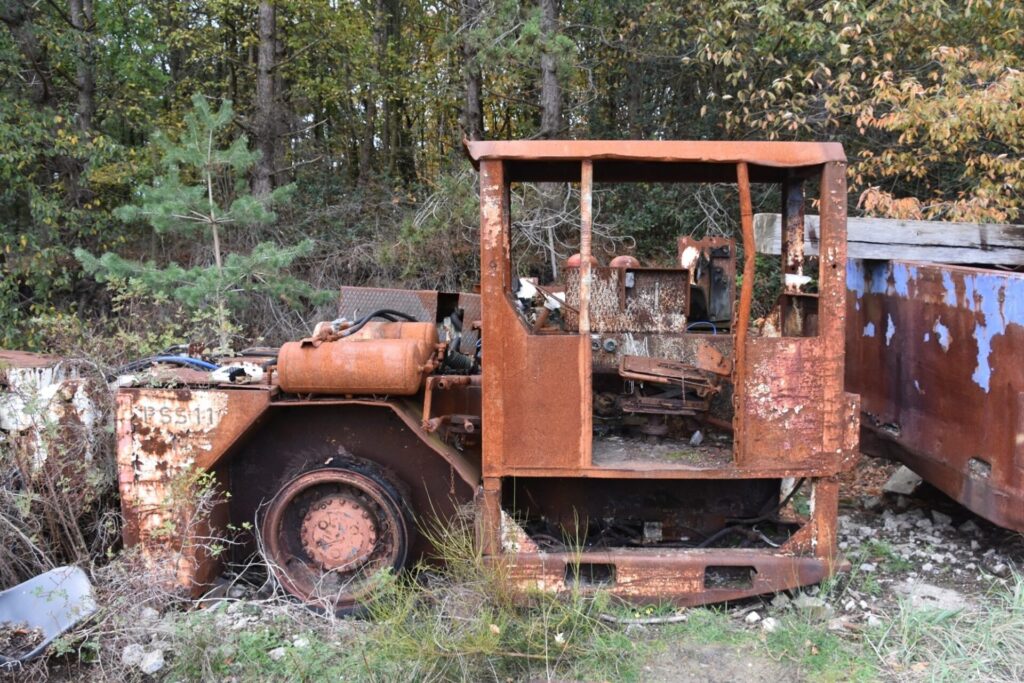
[(790, 419)]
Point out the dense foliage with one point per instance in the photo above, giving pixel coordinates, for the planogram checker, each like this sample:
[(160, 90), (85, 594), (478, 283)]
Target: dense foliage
[(363, 105)]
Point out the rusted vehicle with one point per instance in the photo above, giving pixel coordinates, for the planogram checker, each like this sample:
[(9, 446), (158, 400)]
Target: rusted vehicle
[(623, 428)]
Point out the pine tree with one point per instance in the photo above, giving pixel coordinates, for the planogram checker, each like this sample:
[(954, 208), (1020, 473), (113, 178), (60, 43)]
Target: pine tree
[(203, 192)]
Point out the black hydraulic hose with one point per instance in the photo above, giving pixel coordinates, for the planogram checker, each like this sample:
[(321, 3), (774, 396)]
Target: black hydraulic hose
[(768, 514), (386, 313)]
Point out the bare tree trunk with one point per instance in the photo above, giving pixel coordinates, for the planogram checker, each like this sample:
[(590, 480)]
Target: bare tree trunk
[(550, 116), (367, 146), (472, 106), (80, 12), (550, 89), (266, 100)]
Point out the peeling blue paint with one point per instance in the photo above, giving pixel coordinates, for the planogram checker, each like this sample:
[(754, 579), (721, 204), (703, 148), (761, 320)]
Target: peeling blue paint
[(1000, 301), (855, 277), (942, 335), (947, 284), (997, 300), (917, 385), (879, 278), (902, 275)]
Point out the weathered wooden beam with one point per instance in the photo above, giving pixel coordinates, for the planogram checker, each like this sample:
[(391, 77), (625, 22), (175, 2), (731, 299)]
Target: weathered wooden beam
[(890, 239)]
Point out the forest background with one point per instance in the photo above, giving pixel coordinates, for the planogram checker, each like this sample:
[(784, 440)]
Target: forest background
[(342, 155)]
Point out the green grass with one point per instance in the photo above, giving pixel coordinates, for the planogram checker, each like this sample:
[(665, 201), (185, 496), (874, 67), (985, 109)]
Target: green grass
[(708, 626), (817, 653), (880, 551), (466, 623), (982, 643)]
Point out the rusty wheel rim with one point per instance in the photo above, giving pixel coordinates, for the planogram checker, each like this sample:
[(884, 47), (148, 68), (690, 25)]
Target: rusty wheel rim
[(328, 533)]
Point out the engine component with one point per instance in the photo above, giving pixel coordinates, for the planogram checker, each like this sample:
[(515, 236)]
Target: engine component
[(381, 358)]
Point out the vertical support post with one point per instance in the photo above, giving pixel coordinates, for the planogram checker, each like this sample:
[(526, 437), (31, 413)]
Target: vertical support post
[(742, 323), (494, 280), (489, 516), (824, 503), (793, 225), (792, 314), (586, 353), (586, 234), (832, 303)]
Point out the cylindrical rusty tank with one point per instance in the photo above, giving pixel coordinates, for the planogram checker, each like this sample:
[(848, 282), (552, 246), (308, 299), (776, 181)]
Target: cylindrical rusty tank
[(381, 358), (624, 261)]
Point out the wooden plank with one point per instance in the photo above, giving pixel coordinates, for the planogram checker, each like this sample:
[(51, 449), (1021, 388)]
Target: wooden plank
[(890, 239)]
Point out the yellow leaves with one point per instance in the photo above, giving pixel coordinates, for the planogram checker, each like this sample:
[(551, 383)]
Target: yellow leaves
[(876, 202), (58, 119)]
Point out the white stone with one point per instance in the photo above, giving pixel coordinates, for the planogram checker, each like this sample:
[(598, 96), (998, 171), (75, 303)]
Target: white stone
[(868, 567), (813, 606), (752, 618), (927, 567), (873, 621), (300, 642), (903, 481), (927, 596), (152, 662), (277, 653), (132, 654), (770, 624)]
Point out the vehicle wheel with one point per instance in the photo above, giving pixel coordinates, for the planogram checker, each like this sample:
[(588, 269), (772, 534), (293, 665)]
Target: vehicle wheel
[(328, 533)]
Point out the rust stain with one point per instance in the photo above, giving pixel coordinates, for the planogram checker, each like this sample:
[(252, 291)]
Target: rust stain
[(944, 392)]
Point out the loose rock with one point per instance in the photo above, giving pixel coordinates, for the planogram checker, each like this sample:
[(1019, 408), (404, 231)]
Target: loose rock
[(903, 481), (813, 607), (927, 596), (152, 662), (132, 654)]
